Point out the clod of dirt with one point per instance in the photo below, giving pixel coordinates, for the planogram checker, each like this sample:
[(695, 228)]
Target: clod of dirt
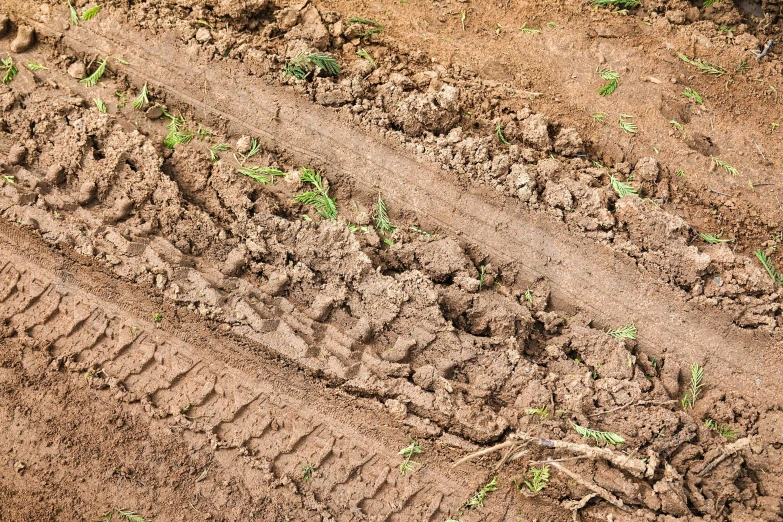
[(243, 145), (25, 38), (5, 24), (569, 143), (17, 154), (122, 208), (436, 112), (235, 262), (86, 192), (154, 112), (203, 35), (55, 174), (77, 70), (321, 307), (442, 259), (535, 132), (399, 352)]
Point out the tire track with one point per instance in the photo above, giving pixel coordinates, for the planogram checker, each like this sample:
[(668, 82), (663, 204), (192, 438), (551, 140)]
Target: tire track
[(354, 476), (582, 274)]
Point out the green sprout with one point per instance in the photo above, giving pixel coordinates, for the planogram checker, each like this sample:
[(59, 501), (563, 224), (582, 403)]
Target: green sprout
[(7, 65), (301, 65), (714, 239), (695, 386), (624, 332), (408, 452), (93, 79), (621, 188), (90, 13), (142, 99), (263, 175), (605, 436), (478, 499), (612, 81), (539, 477), (693, 95), (318, 198)]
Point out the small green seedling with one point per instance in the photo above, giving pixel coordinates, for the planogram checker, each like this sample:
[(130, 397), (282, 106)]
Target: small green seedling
[(529, 296), (539, 478), (367, 56), (130, 516), (420, 231), (308, 473), (725, 431), (375, 27), (598, 117), (303, 64), (526, 30), (203, 132), (612, 81), (693, 95), (89, 14), (769, 267), (605, 436), (33, 66), (157, 318), (74, 14), (695, 387), (8, 179), (680, 173), (482, 275), (677, 125), (7, 65), (255, 147), (714, 239), (382, 221), (499, 134), (177, 132), (621, 188), (214, 149), (617, 3), (142, 99), (704, 67), (742, 67), (624, 332), (708, 3), (318, 198), (122, 100), (99, 103), (478, 499), (775, 126), (542, 413), (725, 166), (93, 79), (626, 124), (408, 452), (264, 175)]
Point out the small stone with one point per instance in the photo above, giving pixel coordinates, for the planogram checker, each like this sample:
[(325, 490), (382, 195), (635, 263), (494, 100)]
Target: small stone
[(25, 38), (203, 35), (154, 112), (77, 70), (244, 145)]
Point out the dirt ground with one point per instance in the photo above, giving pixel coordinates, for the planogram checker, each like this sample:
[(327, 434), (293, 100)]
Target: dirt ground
[(399, 260)]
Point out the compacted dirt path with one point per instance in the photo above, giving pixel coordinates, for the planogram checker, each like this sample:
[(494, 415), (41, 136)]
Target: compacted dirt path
[(182, 338)]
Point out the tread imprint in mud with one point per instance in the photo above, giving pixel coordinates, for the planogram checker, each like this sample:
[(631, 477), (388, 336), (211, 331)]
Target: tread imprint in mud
[(237, 412)]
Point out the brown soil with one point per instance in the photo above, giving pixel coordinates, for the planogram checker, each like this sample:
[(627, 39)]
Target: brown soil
[(185, 342)]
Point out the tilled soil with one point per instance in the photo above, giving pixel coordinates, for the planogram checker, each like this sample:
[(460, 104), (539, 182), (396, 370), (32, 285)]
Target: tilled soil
[(184, 341)]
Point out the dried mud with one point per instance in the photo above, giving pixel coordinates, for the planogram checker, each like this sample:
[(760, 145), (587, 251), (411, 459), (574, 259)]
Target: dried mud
[(206, 338)]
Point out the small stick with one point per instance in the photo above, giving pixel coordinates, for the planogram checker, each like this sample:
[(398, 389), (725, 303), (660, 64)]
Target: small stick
[(728, 451), (598, 490), (549, 461), (485, 451), (759, 149), (721, 193)]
